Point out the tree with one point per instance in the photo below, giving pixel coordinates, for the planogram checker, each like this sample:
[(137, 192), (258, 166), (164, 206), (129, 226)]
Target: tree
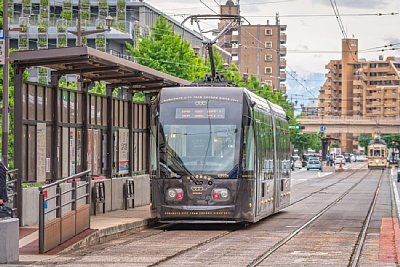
[(164, 50), (363, 140)]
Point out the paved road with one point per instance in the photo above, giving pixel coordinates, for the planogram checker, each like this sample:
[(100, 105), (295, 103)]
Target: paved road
[(322, 227)]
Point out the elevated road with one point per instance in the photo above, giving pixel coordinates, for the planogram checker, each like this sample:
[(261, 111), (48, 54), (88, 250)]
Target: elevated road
[(352, 125)]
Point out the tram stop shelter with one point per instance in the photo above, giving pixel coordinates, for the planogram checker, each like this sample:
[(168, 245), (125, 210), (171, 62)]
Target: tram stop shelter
[(59, 132)]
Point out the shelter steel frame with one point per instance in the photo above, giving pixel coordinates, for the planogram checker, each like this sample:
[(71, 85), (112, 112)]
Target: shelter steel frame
[(91, 65)]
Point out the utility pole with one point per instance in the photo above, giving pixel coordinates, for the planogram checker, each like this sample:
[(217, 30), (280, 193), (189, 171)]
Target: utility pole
[(4, 147), (78, 26)]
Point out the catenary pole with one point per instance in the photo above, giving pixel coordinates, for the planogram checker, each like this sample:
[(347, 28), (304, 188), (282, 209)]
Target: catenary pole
[(4, 147)]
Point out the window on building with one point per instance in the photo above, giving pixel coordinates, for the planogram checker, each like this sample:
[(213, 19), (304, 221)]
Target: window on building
[(268, 31), (268, 45), (268, 70), (268, 82), (235, 33), (235, 45), (373, 74), (35, 9), (268, 58), (235, 57), (372, 65)]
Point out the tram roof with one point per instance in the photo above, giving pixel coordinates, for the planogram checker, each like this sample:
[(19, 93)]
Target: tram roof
[(377, 142), (175, 93), (265, 104)]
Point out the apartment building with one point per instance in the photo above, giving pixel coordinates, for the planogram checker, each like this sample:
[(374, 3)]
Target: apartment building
[(46, 24), (357, 87), (257, 49), (360, 88)]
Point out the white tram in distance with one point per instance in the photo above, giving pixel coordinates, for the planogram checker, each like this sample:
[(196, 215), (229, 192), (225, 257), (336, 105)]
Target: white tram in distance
[(377, 154)]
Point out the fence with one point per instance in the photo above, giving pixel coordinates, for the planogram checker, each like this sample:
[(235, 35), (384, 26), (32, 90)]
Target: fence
[(82, 123), (64, 210), (12, 190)]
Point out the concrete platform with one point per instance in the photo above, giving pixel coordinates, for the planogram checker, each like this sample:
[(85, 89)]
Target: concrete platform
[(103, 227)]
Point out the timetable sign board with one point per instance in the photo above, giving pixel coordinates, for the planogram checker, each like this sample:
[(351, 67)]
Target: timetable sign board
[(2, 47)]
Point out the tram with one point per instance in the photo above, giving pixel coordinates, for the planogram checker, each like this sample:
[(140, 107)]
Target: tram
[(377, 154), (219, 154)]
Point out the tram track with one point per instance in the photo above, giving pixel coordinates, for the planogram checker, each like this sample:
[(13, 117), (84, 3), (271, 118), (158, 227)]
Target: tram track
[(324, 188), (355, 257), (219, 236), (263, 256)]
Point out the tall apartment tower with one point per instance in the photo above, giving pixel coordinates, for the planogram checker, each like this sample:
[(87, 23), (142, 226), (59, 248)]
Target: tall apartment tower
[(361, 88), (357, 87), (257, 49)]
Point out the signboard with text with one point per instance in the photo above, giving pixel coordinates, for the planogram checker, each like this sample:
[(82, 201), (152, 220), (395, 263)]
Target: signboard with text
[(2, 47)]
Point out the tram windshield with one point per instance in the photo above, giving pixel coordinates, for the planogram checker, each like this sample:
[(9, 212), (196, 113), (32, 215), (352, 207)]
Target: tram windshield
[(201, 148), (200, 139)]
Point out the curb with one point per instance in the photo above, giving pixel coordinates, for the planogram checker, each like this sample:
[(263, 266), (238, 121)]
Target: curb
[(103, 235)]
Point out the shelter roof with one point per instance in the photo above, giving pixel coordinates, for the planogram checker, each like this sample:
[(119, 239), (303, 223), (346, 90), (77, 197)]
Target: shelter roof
[(94, 65)]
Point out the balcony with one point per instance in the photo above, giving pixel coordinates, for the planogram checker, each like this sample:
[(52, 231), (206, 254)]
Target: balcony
[(283, 76), (283, 63), (360, 75), (330, 75), (283, 51), (374, 104), (282, 87), (375, 95), (235, 38), (359, 83), (283, 28), (283, 38)]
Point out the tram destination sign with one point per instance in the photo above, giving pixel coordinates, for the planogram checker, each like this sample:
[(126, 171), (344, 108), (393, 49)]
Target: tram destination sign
[(200, 113)]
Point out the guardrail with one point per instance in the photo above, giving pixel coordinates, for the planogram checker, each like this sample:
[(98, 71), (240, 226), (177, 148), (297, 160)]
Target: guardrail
[(12, 183), (63, 226)]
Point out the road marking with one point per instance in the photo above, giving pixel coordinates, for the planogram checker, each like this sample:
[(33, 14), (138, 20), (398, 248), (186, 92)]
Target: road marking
[(322, 174)]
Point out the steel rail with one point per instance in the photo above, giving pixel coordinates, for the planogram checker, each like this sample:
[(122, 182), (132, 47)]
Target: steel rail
[(355, 257), (219, 236), (211, 239), (279, 244), (324, 188)]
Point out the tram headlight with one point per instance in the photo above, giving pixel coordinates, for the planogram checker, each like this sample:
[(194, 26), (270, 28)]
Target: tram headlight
[(220, 194), (174, 194)]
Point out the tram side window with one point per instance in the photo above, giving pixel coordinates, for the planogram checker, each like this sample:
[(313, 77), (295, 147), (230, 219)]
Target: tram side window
[(248, 157)]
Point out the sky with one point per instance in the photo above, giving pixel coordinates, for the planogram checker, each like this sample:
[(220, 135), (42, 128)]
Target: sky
[(312, 41)]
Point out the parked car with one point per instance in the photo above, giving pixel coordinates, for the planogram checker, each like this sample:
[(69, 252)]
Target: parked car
[(296, 162), (361, 158), (347, 157), (352, 158), (314, 163), (340, 159)]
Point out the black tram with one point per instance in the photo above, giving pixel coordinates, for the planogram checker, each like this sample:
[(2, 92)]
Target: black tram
[(219, 154)]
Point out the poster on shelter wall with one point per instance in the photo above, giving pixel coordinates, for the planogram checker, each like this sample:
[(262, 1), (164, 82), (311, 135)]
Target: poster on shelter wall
[(65, 152), (90, 150), (123, 151), (96, 153), (41, 152), (78, 148), (72, 151)]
